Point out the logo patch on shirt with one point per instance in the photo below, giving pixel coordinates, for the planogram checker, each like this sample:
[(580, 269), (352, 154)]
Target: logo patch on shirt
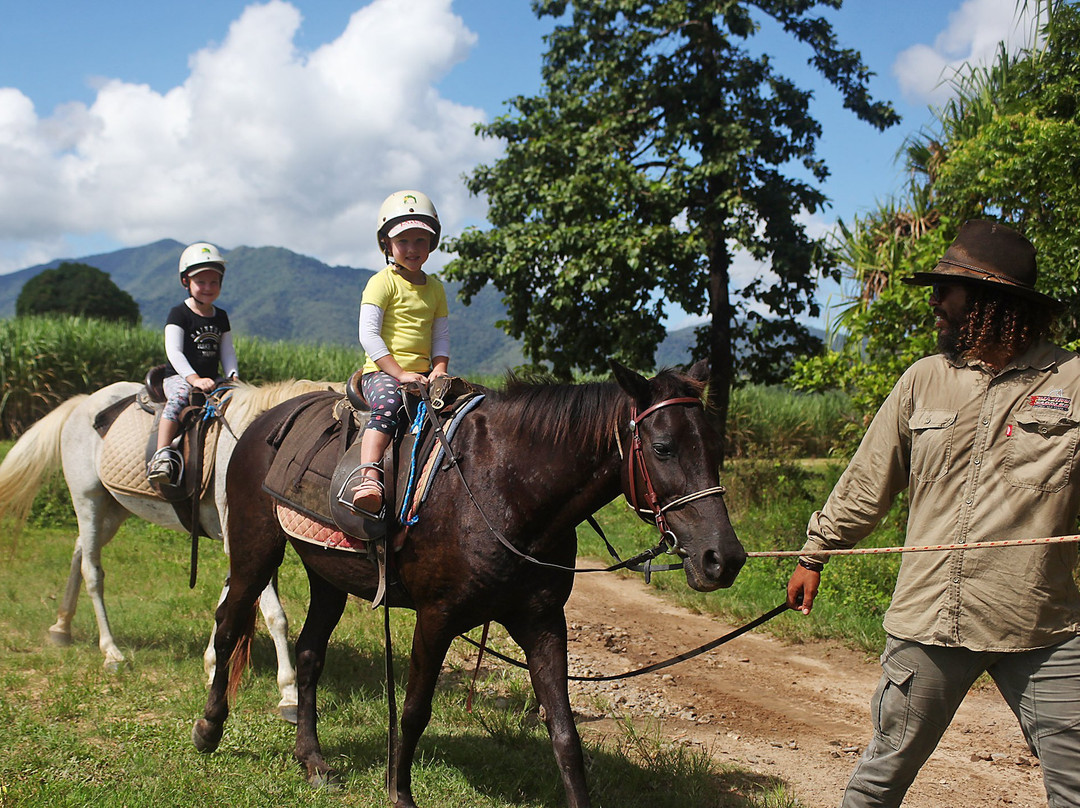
[(1059, 403)]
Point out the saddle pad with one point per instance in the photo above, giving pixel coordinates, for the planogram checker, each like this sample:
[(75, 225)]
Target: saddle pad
[(122, 462), (303, 527)]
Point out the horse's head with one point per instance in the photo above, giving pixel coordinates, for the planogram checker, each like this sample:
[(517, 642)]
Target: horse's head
[(671, 473)]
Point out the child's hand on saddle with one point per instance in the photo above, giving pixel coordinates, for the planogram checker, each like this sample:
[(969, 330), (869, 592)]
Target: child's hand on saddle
[(409, 378), (202, 383)]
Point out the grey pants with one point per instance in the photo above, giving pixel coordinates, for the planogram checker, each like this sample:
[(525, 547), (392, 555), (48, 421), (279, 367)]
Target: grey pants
[(920, 690)]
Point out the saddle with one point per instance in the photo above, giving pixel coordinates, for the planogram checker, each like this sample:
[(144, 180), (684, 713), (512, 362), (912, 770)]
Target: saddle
[(316, 463), (128, 448)]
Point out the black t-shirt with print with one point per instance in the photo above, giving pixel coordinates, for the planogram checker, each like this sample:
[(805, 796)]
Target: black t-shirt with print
[(202, 338)]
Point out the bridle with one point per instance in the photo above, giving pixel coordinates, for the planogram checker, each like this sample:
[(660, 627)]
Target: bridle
[(635, 464)]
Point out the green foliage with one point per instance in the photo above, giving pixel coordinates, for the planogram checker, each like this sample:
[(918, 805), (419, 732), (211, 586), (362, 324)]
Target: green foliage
[(660, 145), (1006, 146), (887, 324), (77, 289)]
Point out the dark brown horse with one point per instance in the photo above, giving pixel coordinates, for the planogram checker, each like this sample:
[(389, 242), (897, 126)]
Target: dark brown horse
[(539, 458)]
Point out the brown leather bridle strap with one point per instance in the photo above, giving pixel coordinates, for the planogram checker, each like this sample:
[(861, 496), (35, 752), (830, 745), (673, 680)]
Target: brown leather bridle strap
[(635, 459)]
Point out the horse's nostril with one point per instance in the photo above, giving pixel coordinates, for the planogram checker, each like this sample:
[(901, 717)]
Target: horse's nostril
[(712, 565)]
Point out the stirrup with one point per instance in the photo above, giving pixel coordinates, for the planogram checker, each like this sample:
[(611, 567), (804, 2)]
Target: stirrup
[(166, 467)]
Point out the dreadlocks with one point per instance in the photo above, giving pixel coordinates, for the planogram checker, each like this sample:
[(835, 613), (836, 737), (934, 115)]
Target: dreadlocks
[(997, 320)]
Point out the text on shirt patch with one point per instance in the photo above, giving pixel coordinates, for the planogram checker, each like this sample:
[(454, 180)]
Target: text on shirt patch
[(1060, 403)]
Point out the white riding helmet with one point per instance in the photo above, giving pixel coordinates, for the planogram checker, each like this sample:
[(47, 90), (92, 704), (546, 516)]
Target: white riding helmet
[(200, 254), (403, 210)]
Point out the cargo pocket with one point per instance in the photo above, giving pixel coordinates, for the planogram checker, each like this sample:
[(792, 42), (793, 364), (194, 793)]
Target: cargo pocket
[(1042, 449), (931, 443), (891, 703)]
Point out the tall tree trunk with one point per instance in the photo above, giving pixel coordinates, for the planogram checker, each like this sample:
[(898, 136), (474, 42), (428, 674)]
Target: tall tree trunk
[(720, 360)]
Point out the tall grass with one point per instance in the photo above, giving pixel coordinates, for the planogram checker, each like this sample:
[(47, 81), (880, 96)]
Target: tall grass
[(45, 360), (774, 421)]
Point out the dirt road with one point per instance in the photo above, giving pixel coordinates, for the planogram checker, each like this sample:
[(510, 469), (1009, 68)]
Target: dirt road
[(798, 712)]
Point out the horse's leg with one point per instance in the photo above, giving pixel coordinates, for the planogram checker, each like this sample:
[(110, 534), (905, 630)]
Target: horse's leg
[(431, 640), (324, 611), (543, 639), (210, 654), (99, 517), (234, 621), (277, 623), (60, 631), (104, 522)]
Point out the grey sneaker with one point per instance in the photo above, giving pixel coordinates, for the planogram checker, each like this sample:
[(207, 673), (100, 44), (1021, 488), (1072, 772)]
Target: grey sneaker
[(164, 467)]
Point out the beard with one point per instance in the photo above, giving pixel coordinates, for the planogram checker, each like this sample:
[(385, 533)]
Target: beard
[(950, 340)]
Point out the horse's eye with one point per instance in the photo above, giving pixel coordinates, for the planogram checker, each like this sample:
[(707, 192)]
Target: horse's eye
[(663, 450)]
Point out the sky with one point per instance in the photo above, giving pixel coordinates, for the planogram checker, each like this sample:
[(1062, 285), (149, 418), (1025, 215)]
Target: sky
[(287, 122)]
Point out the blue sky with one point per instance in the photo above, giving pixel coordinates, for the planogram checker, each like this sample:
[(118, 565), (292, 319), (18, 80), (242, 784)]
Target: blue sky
[(286, 122)]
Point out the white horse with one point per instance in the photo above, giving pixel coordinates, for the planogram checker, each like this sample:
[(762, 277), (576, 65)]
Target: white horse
[(66, 438)]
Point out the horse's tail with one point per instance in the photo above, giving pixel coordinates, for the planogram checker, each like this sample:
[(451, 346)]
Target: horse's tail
[(241, 654), (34, 455)]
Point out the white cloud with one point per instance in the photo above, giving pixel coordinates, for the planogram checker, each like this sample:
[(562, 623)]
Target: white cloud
[(262, 144), (971, 37)]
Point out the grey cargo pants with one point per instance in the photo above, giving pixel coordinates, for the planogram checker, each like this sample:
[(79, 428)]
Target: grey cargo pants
[(920, 690)]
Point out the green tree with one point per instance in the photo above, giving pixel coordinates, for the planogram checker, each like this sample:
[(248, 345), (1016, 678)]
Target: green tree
[(660, 145), (1005, 146), (78, 289)]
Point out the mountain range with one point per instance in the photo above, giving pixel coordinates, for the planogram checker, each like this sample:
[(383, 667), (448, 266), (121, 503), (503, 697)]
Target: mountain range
[(276, 294)]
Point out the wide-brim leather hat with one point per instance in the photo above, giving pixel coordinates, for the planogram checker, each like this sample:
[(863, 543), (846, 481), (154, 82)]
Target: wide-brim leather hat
[(991, 254)]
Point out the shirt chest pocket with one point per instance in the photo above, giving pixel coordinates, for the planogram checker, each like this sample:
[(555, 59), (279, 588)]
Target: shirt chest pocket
[(1042, 449), (931, 443)]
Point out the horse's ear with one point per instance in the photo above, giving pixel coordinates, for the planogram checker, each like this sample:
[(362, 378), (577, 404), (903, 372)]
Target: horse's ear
[(699, 371), (636, 385)]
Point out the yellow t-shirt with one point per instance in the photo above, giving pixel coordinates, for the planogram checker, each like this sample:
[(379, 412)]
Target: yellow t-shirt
[(409, 311)]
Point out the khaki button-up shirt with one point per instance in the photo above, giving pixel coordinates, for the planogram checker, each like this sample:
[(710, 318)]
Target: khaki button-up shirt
[(985, 457)]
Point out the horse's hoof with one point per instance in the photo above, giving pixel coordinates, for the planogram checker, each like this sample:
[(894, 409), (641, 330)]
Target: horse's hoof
[(287, 713), (206, 736), (330, 780), (113, 665), (61, 639)]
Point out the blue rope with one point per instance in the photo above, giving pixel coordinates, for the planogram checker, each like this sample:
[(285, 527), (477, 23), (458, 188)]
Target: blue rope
[(417, 424)]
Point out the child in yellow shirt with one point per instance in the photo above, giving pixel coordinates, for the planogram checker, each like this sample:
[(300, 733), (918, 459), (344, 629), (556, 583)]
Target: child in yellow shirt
[(403, 329)]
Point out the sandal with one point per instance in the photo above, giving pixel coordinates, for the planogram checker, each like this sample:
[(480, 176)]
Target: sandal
[(368, 496)]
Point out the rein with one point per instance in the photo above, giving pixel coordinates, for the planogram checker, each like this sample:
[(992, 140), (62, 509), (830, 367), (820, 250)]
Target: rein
[(668, 543), (701, 649)]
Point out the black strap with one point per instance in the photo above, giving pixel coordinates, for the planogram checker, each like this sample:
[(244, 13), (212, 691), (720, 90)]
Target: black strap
[(701, 649)]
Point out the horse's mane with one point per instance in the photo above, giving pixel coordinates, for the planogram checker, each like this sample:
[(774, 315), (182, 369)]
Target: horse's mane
[(585, 413), (249, 400)]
